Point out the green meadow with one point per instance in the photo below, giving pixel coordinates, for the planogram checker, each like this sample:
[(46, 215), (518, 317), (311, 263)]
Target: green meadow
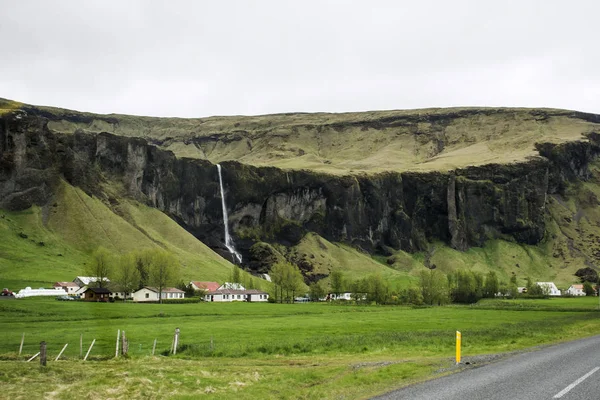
[(245, 350)]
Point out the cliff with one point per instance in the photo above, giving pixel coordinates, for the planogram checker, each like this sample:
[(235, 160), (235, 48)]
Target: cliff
[(376, 212)]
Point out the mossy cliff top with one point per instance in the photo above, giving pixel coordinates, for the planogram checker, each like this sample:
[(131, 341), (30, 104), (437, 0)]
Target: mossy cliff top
[(400, 140)]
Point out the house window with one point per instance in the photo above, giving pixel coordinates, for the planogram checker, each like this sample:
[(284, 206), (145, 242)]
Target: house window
[(147, 295)]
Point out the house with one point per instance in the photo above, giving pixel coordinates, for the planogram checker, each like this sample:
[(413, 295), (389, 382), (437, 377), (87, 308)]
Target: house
[(230, 285), (229, 295), (81, 291), (117, 291), (549, 288), (69, 287), (82, 281), (97, 294), (339, 296), (575, 290), (209, 286), (148, 293)]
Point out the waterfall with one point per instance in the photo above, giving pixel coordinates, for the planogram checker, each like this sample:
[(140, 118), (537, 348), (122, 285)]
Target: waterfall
[(228, 241)]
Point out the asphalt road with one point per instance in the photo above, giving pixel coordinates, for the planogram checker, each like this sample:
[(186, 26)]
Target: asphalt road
[(567, 371)]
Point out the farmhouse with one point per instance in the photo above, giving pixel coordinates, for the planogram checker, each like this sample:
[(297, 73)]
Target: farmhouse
[(69, 287), (82, 281), (148, 293), (229, 295), (549, 288), (209, 286), (576, 290), (97, 294)]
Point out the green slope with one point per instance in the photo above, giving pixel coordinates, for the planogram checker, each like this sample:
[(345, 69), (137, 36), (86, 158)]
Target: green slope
[(325, 256), (40, 246)]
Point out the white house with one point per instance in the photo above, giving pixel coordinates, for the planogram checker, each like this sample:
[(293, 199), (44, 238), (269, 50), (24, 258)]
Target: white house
[(86, 280), (549, 287), (576, 290), (81, 291), (69, 287), (148, 293), (229, 295), (230, 285)]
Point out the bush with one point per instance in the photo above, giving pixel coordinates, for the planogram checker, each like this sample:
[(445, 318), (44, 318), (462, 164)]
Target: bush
[(182, 301)]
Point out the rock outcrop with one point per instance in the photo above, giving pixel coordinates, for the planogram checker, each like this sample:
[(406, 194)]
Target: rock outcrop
[(463, 208)]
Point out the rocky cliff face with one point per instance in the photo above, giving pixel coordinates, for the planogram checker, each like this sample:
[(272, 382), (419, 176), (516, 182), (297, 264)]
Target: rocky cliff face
[(463, 208)]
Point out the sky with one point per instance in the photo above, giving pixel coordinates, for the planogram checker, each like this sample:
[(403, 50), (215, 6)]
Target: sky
[(226, 57)]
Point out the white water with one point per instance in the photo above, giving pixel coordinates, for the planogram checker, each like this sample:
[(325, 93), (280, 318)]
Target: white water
[(228, 241)]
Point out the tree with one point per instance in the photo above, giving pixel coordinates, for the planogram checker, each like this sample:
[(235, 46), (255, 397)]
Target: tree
[(588, 289), (587, 274), (101, 266), (286, 277), (434, 287), (336, 281), (466, 286), (316, 291), (163, 270), (412, 295), (189, 290), (143, 260), (127, 275), (236, 275), (377, 289), (513, 289), (491, 286)]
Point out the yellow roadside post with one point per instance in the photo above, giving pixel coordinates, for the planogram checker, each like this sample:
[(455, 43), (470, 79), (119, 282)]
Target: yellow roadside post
[(458, 340)]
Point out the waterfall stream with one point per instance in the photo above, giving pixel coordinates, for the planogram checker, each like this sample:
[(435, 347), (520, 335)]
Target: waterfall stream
[(228, 241)]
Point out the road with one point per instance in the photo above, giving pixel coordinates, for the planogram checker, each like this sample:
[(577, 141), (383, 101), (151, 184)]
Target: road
[(567, 371)]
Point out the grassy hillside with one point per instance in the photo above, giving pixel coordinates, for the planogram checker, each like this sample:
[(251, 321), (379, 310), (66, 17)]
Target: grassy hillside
[(401, 140), (40, 246), (325, 256)]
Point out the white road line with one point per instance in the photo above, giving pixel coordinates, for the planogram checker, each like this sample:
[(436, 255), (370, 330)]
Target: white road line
[(577, 382)]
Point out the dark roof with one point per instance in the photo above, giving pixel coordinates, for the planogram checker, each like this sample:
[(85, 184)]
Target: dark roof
[(99, 290), (235, 291)]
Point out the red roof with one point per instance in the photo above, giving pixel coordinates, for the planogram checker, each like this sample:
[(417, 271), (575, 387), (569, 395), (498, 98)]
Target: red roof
[(210, 286)]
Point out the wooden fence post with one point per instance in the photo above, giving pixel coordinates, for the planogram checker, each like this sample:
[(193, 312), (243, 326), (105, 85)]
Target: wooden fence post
[(81, 346), (125, 343), (60, 354), (43, 353), (154, 347), (21, 346), (90, 349), (175, 340), (118, 337)]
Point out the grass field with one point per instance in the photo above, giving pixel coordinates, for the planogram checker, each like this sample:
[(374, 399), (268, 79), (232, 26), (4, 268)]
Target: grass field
[(266, 350)]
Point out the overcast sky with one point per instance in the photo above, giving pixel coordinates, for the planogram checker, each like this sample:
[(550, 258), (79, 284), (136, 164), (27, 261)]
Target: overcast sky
[(201, 58)]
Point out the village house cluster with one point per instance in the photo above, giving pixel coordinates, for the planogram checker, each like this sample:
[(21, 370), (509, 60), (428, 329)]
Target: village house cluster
[(87, 289)]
